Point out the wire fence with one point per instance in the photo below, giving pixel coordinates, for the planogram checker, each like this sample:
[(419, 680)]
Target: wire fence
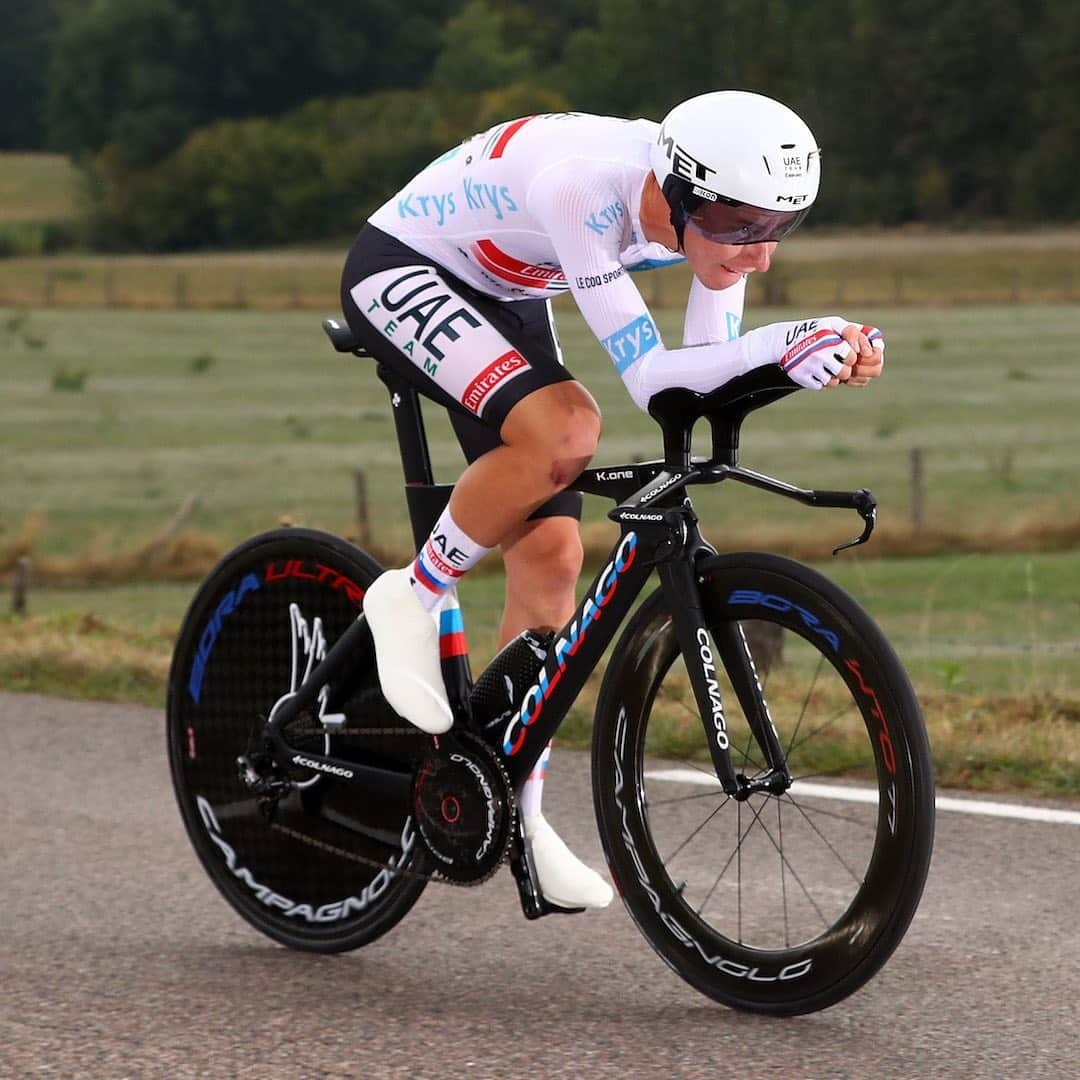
[(312, 282)]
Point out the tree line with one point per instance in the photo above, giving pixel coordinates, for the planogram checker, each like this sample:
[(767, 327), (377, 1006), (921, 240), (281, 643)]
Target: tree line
[(199, 123)]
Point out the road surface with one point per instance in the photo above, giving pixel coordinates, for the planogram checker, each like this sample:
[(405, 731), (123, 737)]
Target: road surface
[(119, 958)]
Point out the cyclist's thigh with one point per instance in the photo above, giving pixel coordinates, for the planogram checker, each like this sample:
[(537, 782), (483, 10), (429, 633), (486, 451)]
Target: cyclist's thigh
[(470, 352), (477, 439)]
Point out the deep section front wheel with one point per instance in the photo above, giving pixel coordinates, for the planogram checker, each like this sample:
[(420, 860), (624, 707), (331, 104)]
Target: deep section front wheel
[(318, 865), (790, 900)]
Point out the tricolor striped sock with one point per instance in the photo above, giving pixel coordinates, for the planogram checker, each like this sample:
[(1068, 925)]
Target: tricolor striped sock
[(446, 555), (532, 792)]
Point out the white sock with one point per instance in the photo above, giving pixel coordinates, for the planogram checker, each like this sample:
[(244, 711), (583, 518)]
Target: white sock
[(532, 792), (445, 556)]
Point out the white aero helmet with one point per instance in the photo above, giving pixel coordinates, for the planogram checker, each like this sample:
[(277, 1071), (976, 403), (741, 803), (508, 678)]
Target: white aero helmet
[(736, 167)]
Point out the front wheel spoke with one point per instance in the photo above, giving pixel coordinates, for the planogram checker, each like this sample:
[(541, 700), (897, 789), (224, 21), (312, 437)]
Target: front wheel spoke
[(736, 850), (716, 811), (805, 809), (783, 878), (697, 768), (805, 704), (718, 793), (825, 840), (799, 777), (818, 730), (785, 861), (746, 759)]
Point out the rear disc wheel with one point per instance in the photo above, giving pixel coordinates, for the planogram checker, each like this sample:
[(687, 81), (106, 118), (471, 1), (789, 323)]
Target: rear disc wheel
[(319, 866)]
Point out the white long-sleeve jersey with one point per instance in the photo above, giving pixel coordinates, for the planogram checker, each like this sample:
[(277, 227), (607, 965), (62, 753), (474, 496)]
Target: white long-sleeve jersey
[(545, 204)]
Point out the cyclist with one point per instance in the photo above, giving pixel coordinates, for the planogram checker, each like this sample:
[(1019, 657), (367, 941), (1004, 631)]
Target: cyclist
[(450, 283)]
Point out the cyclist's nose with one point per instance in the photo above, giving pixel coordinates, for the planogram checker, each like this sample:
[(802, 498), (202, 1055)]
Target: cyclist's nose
[(759, 256)]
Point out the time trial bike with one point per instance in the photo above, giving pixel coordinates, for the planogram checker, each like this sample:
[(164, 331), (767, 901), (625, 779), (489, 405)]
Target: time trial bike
[(761, 773)]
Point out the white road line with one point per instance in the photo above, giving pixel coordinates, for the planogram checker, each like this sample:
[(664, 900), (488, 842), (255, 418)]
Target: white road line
[(810, 790)]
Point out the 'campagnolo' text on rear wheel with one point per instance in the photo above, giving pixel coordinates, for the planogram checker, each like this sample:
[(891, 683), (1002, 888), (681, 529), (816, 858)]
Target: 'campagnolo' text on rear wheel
[(319, 866)]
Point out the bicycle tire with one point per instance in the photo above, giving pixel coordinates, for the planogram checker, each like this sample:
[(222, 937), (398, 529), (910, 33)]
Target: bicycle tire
[(330, 870), (805, 916)]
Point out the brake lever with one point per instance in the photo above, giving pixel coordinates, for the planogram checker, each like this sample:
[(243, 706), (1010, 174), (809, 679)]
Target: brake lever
[(866, 505)]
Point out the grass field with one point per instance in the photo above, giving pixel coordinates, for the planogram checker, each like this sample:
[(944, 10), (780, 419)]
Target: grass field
[(815, 269), (36, 187), (992, 643), (111, 420)]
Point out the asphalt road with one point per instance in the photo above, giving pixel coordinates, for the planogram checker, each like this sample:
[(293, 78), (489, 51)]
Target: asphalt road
[(119, 958)]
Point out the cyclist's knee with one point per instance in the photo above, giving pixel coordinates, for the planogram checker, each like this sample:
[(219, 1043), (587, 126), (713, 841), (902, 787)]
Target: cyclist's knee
[(558, 426)]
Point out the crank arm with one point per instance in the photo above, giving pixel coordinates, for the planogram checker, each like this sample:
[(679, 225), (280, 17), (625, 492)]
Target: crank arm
[(533, 903)]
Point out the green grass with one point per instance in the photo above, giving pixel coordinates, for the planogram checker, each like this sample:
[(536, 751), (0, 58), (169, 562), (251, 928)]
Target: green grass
[(813, 272), (274, 424), (277, 424), (37, 187), (983, 624), (992, 643)]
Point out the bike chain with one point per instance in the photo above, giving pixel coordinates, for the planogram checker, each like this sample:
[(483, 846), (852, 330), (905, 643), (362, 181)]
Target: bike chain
[(322, 845), (404, 872)]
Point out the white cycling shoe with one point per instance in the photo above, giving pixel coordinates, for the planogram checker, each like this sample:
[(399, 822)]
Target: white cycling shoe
[(407, 652), (564, 879)]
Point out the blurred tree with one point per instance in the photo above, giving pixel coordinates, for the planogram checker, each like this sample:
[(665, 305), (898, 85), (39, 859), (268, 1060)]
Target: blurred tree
[(479, 52), (143, 73), (1044, 180), (545, 29), (925, 109), (639, 60), (24, 61)]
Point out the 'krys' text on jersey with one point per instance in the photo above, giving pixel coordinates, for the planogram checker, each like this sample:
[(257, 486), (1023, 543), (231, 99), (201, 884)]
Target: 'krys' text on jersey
[(441, 207)]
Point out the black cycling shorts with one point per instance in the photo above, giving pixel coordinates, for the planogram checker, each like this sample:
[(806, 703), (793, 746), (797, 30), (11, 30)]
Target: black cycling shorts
[(473, 354)]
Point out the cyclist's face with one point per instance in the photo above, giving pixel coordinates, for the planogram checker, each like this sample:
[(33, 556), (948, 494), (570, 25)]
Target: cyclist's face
[(718, 266)]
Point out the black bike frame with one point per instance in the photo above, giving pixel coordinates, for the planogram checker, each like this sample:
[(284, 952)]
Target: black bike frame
[(658, 531)]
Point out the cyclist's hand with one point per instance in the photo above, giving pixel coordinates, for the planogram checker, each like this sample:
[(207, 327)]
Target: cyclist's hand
[(868, 354), (817, 353)]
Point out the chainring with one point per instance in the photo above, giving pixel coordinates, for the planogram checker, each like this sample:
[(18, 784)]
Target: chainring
[(463, 807)]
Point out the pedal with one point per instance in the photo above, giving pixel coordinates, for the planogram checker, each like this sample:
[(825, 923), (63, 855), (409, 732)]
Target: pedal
[(533, 903)]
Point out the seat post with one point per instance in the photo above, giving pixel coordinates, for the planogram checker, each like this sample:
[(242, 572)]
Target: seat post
[(409, 424), (426, 500)]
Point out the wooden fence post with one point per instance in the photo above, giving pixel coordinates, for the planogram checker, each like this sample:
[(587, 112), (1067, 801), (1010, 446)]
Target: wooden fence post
[(22, 584), (766, 641), (157, 545), (918, 491)]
